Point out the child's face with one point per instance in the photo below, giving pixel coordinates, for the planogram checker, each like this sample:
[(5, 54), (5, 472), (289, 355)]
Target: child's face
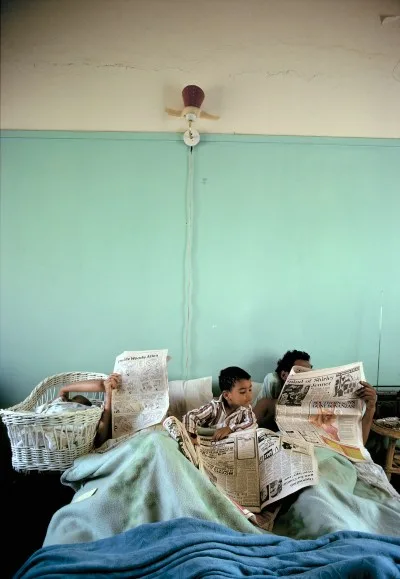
[(240, 395)]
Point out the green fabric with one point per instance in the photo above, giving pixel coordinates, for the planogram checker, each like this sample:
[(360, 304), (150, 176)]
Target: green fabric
[(144, 480), (339, 502)]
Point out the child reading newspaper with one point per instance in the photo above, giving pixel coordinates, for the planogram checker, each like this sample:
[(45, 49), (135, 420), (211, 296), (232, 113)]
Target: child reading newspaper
[(253, 467), (231, 412)]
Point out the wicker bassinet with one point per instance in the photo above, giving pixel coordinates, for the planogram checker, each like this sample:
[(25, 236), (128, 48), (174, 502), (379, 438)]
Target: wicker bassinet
[(52, 442)]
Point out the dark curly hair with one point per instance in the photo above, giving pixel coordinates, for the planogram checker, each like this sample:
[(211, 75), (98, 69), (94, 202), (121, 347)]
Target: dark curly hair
[(229, 376), (286, 363)]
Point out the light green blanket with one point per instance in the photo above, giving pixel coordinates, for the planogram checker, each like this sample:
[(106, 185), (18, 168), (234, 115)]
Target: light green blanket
[(339, 502), (146, 479), (143, 480)]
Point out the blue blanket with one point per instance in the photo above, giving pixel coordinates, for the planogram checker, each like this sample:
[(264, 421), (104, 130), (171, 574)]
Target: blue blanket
[(194, 548)]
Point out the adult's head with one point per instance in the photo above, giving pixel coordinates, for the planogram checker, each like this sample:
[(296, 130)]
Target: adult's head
[(290, 359)]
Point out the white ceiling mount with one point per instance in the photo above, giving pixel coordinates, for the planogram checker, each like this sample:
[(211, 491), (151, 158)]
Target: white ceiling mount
[(191, 137), (191, 117)]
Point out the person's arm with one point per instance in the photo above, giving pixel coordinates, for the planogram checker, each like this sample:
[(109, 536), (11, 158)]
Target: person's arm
[(248, 419), (84, 386), (264, 411), (103, 428), (368, 394), (221, 433), (199, 417)]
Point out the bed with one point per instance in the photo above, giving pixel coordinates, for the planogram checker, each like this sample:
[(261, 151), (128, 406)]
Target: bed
[(141, 509)]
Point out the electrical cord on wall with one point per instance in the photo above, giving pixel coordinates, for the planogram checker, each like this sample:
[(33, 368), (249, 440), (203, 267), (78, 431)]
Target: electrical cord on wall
[(187, 327), (379, 340)]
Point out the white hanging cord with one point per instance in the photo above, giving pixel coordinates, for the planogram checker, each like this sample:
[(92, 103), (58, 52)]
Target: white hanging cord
[(187, 337), (380, 339)]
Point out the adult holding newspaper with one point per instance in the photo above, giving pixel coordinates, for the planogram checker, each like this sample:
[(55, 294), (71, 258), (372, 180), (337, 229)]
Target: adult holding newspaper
[(113, 382), (325, 407), (265, 404), (274, 381)]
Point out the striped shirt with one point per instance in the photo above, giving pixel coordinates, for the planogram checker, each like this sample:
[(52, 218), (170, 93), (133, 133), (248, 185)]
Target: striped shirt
[(214, 415)]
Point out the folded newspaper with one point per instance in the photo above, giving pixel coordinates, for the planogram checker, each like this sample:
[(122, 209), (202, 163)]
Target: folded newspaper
[(253, 468), (321, 407), (143, 399)]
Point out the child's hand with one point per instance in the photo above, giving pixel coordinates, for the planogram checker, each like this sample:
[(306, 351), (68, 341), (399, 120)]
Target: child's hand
[(368, 394), (221, 433), (113, 382)]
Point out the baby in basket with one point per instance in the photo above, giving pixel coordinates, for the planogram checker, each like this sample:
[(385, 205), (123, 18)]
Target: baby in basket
[(62, 404), (108, 385)]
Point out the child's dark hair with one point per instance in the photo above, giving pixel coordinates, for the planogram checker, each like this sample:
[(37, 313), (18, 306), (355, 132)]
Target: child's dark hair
[(229, 376), (79, 399), (286, 363)]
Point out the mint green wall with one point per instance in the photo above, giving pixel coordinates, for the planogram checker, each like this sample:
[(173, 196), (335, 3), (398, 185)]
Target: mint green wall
[(92, 252), (294, 241)]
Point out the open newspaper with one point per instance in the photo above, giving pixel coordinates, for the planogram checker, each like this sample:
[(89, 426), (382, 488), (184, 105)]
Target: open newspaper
[(143, 399), (321, 407), (254, 468)]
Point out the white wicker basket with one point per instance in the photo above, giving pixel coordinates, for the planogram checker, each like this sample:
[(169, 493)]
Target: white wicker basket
[(52, 442)]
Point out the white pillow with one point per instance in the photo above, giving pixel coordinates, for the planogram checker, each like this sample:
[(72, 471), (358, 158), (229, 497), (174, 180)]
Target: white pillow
[(185, 395)]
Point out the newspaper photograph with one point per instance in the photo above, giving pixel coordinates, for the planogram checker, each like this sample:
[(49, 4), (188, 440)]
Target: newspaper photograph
[(321, 407), (143, 398)]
